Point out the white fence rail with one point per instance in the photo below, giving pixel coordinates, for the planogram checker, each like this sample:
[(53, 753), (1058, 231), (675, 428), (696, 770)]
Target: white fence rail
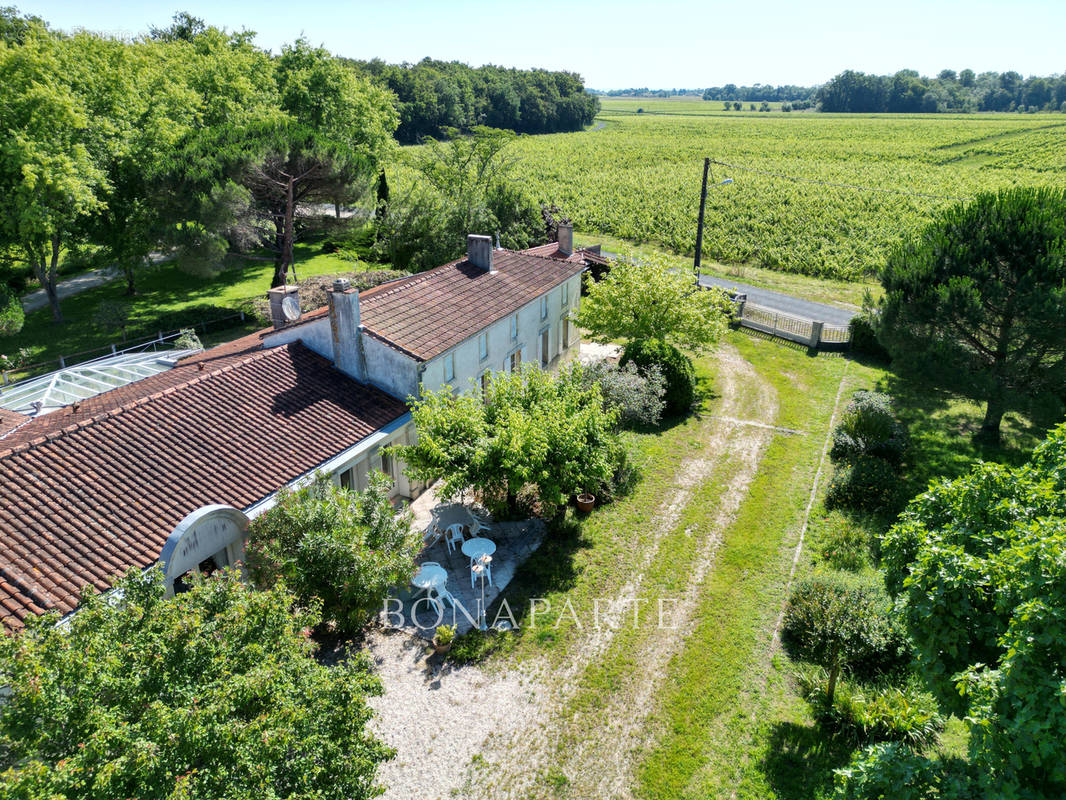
[(812, 333)]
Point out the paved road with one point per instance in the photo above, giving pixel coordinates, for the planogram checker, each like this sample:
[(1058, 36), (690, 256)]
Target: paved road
[(71, 286), (79, 283), (785, 303)]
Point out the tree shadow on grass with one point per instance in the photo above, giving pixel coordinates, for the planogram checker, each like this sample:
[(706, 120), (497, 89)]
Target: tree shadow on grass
[(942, 425), (800, 761)]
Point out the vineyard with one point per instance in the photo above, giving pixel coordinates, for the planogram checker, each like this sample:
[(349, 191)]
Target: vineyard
[(637, 178)]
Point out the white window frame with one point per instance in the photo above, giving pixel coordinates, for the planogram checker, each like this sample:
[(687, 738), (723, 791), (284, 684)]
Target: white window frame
[(514, 327), (545, 351), (509, 364), (449, 367), (483, 346), (564, 291), (564, 331), (544, 306)]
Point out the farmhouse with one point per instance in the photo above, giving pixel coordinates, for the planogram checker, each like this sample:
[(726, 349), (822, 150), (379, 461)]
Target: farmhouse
[(169, 469)]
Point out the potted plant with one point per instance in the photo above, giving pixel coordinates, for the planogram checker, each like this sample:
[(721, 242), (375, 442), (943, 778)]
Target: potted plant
[(585, 502), (442, 641)]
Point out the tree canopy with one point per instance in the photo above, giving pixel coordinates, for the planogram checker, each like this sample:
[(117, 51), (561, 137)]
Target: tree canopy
[(530, 430), (213, 693), (978, 299), (650, 299), (436, 95), (334, 548), (980, 565)]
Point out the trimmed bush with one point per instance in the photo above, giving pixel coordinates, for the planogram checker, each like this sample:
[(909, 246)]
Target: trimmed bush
[(864, 339), (867, 484), (869, 427), (637, 394), (836, 620), (887, 771), (676, 369), (11, 315)]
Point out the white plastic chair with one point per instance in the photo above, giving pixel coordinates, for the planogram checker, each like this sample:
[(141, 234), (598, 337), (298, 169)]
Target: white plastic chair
[(443, 596), (473, 574), (454, 536), (479, 526)]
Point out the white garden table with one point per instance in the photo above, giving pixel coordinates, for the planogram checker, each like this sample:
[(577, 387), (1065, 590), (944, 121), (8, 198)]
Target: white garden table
[(430, 576), (478, 547)]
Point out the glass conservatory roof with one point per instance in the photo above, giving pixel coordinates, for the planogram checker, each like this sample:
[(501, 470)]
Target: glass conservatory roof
[(58, 389)]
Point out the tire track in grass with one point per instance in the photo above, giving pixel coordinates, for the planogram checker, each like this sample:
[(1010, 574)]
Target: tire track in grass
[(552, 750)]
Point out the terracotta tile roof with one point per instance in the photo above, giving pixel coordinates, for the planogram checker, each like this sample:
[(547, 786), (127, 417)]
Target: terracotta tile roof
[(551, 250), (90, 492), (430, 312)]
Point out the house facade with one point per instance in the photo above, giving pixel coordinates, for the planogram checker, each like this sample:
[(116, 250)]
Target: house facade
[(168, 470)]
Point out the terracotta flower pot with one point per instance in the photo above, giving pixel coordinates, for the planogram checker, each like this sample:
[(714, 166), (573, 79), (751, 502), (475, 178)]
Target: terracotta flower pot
[(585, 502)]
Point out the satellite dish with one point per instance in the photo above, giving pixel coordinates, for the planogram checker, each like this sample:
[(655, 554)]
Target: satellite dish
[(290, 307)]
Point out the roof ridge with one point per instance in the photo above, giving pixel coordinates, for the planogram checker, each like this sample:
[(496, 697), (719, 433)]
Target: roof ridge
[(115, 411), (403, 283)]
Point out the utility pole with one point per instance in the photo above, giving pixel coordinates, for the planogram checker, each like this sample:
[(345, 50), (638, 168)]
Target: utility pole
[(699, 226)]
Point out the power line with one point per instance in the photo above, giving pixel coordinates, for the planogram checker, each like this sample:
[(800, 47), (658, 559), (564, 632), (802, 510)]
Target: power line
[(836, 185)]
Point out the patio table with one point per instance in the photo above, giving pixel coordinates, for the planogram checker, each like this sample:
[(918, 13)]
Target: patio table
[(430, 576), (454, 514), (477, 547)]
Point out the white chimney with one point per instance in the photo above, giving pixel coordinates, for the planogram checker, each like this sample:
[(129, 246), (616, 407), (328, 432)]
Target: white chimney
[(344, 327), (479, 251), (566, 238)]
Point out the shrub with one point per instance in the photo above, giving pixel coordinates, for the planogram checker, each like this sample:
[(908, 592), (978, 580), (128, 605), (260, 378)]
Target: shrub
[(887, 771), (884, 713), (869, 428), (11, 314), (636, 394), (676, 369), (845, 545), (188, 340), (867, 484), (864, 339), (834, 620), (328, 544)]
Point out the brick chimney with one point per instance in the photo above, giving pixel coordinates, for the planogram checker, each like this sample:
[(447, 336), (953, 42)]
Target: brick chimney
[(479, 251), (566, 238), (344, 326)]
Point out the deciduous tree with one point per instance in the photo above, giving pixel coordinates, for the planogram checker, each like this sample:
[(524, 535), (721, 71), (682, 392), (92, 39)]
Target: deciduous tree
[(213, 693), (650, 299)]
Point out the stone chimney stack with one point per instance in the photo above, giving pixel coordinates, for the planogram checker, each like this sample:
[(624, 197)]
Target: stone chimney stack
[(566, 238), (348, 354), (479, 251)]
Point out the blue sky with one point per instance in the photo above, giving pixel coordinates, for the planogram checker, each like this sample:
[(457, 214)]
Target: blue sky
[(624, 43)]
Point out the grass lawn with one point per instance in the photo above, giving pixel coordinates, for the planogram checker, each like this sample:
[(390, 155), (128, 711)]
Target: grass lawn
[(167, 299), (718, 712)]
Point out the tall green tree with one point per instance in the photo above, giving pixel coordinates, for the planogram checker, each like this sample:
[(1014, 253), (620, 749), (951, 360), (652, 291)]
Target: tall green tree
[(213, 693), (979, 565), (337, 130), (48, 177), (651, 299), (977, 300)]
